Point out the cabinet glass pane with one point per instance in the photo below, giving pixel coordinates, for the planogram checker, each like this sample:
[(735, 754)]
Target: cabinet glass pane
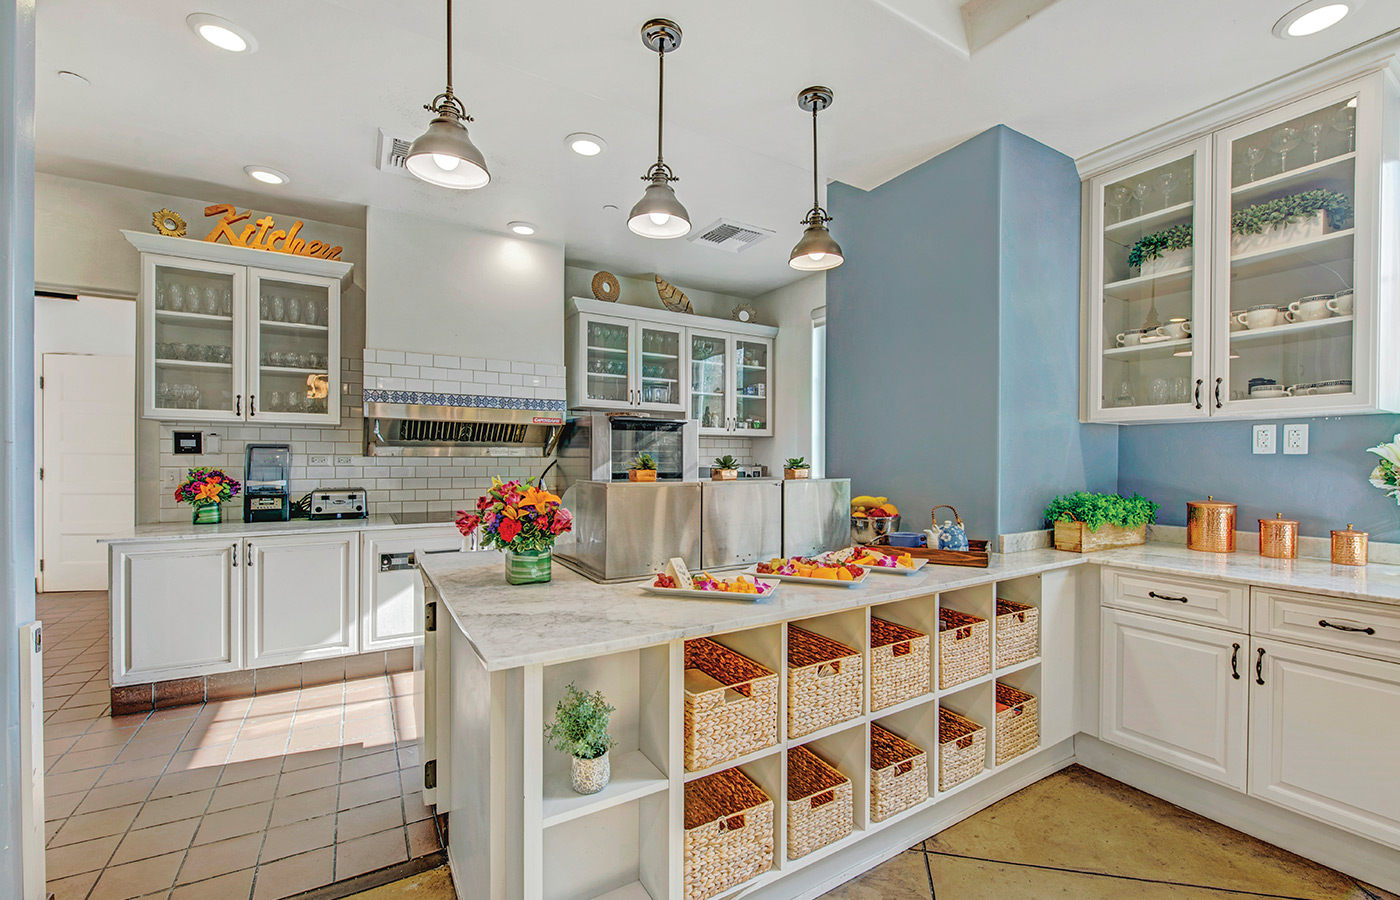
[(607, 358), (293, 347), (1148, 278), (707, 380), (1292, 256), (751, 385), (661, 365), (193, 339)]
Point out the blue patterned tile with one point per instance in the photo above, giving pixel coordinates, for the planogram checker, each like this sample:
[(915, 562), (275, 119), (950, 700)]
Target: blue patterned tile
[(422, 398)]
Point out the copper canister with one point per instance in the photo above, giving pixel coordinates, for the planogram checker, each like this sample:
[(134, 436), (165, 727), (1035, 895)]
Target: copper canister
[(1349, 547), (1210, 526), (1278, 538)]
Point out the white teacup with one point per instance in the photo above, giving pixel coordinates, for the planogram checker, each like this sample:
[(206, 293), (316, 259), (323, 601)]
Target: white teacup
[(1267, 391), (1176, 328), (1341, 304), (1310, 309), (1132, 338), (1261, 317)]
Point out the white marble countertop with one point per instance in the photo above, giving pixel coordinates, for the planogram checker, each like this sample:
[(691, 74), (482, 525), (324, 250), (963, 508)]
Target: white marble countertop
[(573, 618), (187, 531)]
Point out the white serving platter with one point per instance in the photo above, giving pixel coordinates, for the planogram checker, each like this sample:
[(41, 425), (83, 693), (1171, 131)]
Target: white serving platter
[(753, 572), (651, 588), (897, 570)]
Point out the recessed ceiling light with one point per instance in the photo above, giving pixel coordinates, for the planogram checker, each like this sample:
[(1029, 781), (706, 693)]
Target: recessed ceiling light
[(222, 33), (1314, 16), (73, 78), (266, 175), (585, 144), (522, 228)]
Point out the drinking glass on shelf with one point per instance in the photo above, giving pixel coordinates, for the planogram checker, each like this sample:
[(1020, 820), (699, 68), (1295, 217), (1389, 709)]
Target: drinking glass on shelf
[(1165, 182), (225, 354), (1313, 135), (279, 309), (293, 309), (595, 366), (163, 394), (177, 297), (211, 301), (1285, 139), (226, 302), (160, 295), (264, 308), (1157, 391), (193, 398), (1181, 392), (1252, 156), (1125, 395), (1343, 121), (1117, 197), (275, 402), (1140, 191), (308, 313)]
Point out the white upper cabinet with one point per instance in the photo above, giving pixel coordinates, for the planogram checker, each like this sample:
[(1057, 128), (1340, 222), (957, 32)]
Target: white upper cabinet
[(1243, 273), (231, 334)]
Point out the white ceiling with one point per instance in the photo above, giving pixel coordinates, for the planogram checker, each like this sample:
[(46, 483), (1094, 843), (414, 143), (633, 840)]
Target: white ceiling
[(167, 112)]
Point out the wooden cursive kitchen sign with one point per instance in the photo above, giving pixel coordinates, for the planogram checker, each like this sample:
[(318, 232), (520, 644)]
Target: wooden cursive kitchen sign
[(262, 235)]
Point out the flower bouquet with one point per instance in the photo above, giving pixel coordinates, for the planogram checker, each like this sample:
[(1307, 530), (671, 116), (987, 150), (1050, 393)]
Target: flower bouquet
[(1386, 475), (523, 520), (205, 489)]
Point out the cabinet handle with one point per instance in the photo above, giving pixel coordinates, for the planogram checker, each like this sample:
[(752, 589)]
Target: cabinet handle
[(1199, 382), (1235, 663), (252, 404), (250, 554), (238, 405), (235, 556), (1259, 667), (1218, 404), (1156, 596), (1326, 624)]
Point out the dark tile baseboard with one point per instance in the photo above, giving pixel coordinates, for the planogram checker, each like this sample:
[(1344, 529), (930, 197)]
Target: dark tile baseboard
[(137, 698)]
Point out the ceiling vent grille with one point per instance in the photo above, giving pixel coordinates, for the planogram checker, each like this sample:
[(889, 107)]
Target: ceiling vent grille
[(726, 234), (393, 154)]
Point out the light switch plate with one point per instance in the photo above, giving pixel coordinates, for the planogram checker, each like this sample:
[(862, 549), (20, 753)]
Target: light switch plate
[(1265, 438), (1295, 439)]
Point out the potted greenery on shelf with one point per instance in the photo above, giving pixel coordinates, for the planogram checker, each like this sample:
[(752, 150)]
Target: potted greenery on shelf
[(797, 467), (1085, 522), (643, 468), (1162, 250), (724, 468), (580, 729)]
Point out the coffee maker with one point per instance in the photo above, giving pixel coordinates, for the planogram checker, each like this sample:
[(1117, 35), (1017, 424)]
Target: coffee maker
[(267, 484)]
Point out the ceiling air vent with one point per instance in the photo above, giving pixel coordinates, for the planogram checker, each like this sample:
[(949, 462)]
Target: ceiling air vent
[(727, 234), (393, 154)]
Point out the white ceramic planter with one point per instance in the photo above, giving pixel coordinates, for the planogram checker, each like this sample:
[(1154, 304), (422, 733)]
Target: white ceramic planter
[(1172, 259), (589, 776), (1272, 239)]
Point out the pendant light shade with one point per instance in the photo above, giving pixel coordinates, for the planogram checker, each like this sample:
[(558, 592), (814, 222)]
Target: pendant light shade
[(817, 250), (659, 214), (444, 155)]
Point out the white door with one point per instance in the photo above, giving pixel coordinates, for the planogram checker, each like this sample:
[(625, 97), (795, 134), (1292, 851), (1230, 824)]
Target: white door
[(659, 367), (293, 348), (392, 613), (303, 597), (1324, 728), (1176, 693), (88, 467)]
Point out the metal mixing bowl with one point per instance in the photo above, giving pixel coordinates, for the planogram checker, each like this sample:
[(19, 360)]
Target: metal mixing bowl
[(864, 529)]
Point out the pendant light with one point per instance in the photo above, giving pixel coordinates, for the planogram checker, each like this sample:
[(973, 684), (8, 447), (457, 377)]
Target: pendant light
[(817, 250), (659, 214), (444, 155)]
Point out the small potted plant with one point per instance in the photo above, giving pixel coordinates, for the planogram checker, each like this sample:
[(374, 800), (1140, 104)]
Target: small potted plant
[(724, 468), (643, 468), (1085, 522), (796, 467), (204, 490), (580, 729)]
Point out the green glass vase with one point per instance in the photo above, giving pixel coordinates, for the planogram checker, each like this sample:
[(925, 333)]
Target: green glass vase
[(528, 566), (208, 514)]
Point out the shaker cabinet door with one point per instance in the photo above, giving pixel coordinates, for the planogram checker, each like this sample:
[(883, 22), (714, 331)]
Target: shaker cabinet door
[(293, 348), (303, 598), (192, 339)]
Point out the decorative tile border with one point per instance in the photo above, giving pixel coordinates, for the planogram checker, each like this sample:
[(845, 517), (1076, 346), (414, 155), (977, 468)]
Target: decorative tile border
[(421, 398)]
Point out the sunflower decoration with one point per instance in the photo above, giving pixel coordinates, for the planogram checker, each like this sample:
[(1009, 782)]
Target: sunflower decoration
[(169, 223)]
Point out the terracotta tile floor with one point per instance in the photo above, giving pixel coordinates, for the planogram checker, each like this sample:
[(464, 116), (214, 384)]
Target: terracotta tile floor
[(251, 799)]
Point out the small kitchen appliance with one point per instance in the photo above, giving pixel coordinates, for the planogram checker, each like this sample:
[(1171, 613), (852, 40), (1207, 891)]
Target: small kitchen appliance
[(338, 503), (267, 495), (1349, 547), (1210, 526), (1278, 538)]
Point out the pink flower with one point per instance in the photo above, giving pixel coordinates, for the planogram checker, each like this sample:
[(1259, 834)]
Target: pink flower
[(563, 521), (467, 522)]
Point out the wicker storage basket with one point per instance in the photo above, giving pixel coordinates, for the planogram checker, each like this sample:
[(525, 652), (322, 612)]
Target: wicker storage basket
[(962, 749), (819, 805), (731, 705), (1018, 633), (728, 833), (898, 663), (1018, 723), (898, 774), (964, 647), (824, 682)]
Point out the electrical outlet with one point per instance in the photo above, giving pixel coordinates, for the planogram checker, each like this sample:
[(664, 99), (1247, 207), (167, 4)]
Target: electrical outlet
[(318, 460), (345, 460), (1295, 439), (1264, 438)]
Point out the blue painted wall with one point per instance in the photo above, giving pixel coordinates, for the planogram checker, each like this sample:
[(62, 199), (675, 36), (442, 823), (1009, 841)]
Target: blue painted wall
[(1045, 451), (1323, 490)]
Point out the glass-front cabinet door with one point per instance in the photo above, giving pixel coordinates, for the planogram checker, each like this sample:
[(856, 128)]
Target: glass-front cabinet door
[(293, 365), (607, 362), (710, 380), (1149, 328), (753, 386), (193, 314), (1293, 271), (659, 367)]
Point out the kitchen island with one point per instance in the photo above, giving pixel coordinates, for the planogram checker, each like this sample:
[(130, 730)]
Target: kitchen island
[(501, 657)]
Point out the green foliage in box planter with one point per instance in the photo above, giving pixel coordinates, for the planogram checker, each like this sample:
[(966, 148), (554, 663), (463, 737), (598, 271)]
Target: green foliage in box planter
[(580, 726), (1152, 246), (644, 463), (1098, 510), (796, 462), (725, 462)]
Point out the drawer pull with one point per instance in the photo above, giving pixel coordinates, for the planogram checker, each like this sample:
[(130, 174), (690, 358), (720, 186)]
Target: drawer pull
[(1259, 667), (1235, 663), (1326, 624), (1156, 596)]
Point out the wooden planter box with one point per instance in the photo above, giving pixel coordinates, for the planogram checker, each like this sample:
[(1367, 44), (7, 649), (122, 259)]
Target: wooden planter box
[(1077, 537), (641, 474), (724, 474), (792, 474)]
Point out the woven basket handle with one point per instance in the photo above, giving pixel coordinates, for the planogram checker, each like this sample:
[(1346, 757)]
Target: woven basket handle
[(964, 742), (830, 669), (902, 649), (1016, 711), (963, 633), (934, 514), (822, 799), (903, 768), (743, 689), (733, 823)]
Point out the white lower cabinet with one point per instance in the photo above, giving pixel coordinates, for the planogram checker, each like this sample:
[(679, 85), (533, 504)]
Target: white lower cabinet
[(303, 593), (1323, 731), (176, 610), (1175, 692), (391, 607)]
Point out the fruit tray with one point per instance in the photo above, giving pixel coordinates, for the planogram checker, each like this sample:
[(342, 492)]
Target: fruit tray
[(977, 554), (714, 595), (752, 571), (855, 553)]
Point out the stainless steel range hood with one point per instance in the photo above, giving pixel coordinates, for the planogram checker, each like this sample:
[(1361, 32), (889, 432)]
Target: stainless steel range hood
[(417, 429)]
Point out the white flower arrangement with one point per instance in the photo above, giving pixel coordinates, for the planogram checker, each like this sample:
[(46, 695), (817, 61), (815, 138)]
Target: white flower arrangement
[(1386, 475)]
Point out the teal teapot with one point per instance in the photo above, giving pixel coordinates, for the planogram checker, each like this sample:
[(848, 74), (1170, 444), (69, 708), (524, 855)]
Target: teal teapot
[(951, 535)]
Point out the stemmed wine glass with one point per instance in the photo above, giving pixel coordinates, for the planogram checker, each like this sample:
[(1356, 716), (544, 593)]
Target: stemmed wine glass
[(1252, 156), (1285, 139), (1165, 182), (1140, 191), (1344, 122), (1313, 135), (1118, 196)]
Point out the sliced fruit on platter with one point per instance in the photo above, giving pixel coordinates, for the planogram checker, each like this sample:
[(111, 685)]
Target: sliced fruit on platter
[(706, 582), (802, 567)]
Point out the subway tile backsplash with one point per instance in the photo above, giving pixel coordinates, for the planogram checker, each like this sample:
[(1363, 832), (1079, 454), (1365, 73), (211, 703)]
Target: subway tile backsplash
[(738, 447)]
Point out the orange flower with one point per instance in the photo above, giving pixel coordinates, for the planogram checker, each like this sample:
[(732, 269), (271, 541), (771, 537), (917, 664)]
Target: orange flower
[(539, 499), (510, 512), (208, 491)]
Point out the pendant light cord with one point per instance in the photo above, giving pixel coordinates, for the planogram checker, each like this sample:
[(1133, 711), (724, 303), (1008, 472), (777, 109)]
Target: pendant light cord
[(449, 46), (815, 203), (660, 99)]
